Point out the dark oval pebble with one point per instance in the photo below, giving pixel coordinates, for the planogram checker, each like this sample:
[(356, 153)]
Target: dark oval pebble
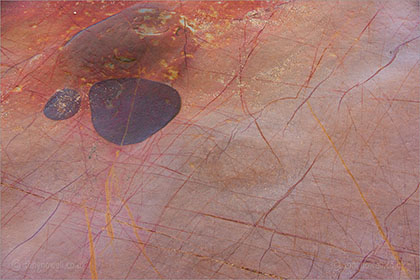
[(62, 105), (129, 110)]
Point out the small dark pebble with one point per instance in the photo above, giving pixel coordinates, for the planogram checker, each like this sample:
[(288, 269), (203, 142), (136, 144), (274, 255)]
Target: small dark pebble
[(62, 105)]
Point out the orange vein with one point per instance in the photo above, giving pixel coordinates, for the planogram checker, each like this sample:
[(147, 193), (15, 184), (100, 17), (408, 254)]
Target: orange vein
[(375, 218), (108, 216), (92, 264), (135, 228)]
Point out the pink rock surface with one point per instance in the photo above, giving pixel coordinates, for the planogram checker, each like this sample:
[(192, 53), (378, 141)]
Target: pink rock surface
[(295, 153)]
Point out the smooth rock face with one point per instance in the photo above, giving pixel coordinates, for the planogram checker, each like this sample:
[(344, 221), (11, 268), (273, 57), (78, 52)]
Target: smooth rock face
[(63, 105), (128, 111)]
